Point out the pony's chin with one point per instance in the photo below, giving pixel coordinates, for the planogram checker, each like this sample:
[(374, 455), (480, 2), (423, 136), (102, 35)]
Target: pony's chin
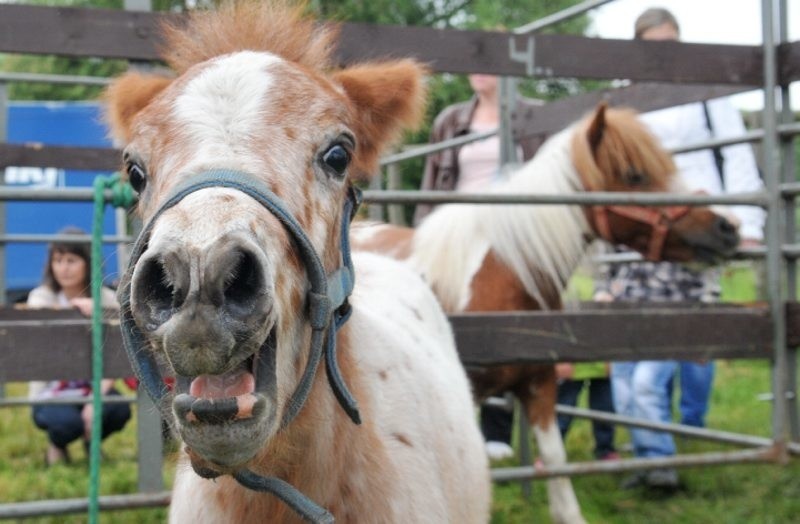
[(218, 443), (225, 419)]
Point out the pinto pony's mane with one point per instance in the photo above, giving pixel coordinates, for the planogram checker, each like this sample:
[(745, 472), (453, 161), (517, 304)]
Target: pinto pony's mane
[(542, 244), (535, 241), (279, 27)]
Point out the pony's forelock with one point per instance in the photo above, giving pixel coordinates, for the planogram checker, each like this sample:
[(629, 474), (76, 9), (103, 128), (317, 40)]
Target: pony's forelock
[(280, 27)]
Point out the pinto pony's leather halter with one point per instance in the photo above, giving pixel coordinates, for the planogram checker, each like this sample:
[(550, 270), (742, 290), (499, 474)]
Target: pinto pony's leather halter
[(660, 220), (328, 309)]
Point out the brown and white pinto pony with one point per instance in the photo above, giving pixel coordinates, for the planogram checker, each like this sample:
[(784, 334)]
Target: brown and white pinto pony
[(519, 257), (219, 292)]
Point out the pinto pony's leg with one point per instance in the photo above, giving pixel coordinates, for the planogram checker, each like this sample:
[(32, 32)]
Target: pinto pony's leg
[(539, 402)]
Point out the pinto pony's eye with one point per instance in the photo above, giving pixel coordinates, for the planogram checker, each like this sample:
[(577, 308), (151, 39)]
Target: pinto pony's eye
[(136, 175), (635, 178), (336, 159)]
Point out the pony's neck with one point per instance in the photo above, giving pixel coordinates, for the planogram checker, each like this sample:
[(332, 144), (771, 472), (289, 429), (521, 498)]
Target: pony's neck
[(536, 241), (541, 241)]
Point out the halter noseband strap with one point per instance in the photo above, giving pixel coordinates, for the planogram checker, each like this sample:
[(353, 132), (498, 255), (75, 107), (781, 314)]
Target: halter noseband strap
[(328, 309), (660, 220)]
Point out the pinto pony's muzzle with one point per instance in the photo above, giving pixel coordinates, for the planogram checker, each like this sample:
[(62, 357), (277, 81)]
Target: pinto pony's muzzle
[(328, 309)]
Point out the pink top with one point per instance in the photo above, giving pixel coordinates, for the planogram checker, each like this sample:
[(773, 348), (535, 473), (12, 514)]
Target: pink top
[(479, 162)]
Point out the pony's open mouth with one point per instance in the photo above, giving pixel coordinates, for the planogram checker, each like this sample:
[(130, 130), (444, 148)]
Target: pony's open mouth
[(218, 399), (225, 418)]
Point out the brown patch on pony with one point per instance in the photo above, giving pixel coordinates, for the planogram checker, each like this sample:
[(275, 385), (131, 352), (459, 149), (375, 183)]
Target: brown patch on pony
[(125, 97), (387, 98), (279, 27), (495, 287)]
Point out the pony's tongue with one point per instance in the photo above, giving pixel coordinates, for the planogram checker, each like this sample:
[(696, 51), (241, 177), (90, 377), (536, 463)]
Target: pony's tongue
[(231, 384)]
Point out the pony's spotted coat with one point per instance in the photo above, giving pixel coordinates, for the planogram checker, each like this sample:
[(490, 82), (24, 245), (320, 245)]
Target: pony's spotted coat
[(221, 280)]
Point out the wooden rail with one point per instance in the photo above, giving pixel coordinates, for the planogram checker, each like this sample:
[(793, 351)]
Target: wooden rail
[(133, 35), (710, 70), (47, 345)]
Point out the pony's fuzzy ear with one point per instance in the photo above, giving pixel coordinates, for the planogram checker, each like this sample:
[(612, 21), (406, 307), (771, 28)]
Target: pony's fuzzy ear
[(125, 97), (387, 98), (597, 126)]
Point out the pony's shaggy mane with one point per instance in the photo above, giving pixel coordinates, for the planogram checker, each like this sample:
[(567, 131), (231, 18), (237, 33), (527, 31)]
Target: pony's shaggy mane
[(279, 27), (451, 242)]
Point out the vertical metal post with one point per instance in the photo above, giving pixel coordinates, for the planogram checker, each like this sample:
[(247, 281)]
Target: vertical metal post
[(507, 95), (787, 164), (150, 444), (774, 236), (525, 455), (148, 418), (375, 211), (393, 182)]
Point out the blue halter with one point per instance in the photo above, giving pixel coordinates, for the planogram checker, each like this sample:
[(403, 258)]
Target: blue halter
[(328, 309)]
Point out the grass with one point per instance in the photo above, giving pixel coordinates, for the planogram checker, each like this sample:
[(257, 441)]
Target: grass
[(763, 493)]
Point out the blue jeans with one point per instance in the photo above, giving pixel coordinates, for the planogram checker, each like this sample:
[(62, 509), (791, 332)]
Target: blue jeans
[(599, 400), (642, 390), (695, 381), (63, 422)]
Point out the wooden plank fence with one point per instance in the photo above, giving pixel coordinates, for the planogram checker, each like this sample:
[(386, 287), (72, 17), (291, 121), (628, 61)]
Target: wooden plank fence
[(685, 331)]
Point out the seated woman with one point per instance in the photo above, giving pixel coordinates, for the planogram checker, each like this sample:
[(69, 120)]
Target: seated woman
[(66, 285)]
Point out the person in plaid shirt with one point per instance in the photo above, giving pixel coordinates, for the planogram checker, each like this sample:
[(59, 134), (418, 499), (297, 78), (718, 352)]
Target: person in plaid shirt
[(644, 389)]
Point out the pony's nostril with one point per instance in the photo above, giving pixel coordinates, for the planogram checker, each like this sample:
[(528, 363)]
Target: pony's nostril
[(243, 284), (156, 296)]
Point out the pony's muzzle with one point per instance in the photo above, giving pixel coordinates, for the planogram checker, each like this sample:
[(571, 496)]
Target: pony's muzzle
[(211, 310)]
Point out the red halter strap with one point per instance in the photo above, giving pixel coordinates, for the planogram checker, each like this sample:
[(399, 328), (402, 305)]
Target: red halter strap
[(660, 219)]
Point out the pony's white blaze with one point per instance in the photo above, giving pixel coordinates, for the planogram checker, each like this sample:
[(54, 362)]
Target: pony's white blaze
[(221, 110), (450, 245)]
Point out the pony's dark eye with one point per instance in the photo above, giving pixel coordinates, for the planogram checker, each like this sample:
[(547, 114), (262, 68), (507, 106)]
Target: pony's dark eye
[(635, 178), (336, 158), (136, 176)]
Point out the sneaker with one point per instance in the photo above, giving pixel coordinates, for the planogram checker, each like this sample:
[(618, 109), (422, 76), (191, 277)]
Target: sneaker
[(665, 478), (497, 450), (634, 480)]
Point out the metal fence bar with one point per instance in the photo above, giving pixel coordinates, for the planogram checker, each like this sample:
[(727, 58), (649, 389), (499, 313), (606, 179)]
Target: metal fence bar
[(560, 16), (418, 151), (632, 464), (54, 79), (756, 198), (43, 508), (726, 437), (773, 236), (26, 402), (65, 239), (789, 217)]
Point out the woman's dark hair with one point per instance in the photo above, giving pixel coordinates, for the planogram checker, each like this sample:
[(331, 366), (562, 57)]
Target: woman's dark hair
[(80, 248), (654, 17)]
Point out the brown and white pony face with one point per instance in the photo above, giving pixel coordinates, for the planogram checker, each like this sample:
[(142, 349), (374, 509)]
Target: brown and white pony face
[(615, 152), (220, 274)]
